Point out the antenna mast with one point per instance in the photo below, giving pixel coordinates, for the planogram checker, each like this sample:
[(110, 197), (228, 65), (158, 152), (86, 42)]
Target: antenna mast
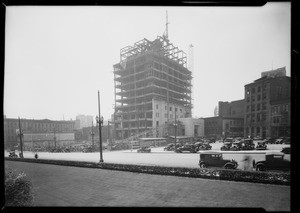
[(167, 23)]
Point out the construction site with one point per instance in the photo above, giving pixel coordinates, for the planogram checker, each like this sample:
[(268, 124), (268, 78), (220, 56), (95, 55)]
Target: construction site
[(153, 89)]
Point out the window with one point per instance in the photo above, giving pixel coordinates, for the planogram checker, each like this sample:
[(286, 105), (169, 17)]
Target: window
[(258, 89), (264, 116), (264, 96), (165, 107), (248, 108), (156, 106), (264, 106), (252, 107), (248, 99), (157, 123), (253, 98), (258, 117), (258, 97), (253, 90), (157, 115), (170, 108), (258, 107)]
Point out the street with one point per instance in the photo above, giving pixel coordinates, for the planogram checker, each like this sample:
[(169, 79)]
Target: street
[(158, 157), (73, 186)]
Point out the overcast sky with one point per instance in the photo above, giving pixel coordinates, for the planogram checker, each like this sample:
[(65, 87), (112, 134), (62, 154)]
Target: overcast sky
[(58, 57)]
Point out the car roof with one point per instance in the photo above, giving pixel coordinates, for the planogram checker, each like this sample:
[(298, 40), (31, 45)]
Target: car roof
[(274, 153), (210, 153)]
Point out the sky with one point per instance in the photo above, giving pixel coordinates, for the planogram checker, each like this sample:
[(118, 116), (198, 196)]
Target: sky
[(57, 58)]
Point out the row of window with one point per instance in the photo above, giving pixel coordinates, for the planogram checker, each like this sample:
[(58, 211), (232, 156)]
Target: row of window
[(258, 97), (256, 89), (256, 117), (279, 109), (170, 108), (257, 107)]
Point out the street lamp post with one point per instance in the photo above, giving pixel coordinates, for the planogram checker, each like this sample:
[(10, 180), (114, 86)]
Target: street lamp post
[(175, 124), (100, 123), (92, 134), (21, 135)]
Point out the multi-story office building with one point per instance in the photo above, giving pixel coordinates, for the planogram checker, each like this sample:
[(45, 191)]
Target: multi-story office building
[(38, 132), (152, 87), (267, 105)]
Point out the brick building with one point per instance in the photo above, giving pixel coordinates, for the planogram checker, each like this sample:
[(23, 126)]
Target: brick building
[(38, 132), (267, 105)]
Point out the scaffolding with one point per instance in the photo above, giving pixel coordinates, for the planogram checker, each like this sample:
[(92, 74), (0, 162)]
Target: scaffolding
[(147, 71)]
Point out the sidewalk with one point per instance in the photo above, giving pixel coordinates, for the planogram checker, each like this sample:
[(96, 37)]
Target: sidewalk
[(74, 186)]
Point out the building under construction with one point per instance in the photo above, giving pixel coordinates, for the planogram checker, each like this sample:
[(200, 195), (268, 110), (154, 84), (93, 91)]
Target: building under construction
[(152, 88)]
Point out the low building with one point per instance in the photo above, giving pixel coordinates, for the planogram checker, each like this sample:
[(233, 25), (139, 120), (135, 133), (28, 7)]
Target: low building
[(38, 132), (193, 127)]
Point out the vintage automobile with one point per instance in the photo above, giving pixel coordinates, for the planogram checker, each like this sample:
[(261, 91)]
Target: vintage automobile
[(279, 141), (270, 140), (12, 154), (247, 144), (187, 147), (237, 145), (231, 140), (204, 146), (215, 159), (273, 161), (171, 147), (226, 146), (261, 145), (286, 150), (144, 150)]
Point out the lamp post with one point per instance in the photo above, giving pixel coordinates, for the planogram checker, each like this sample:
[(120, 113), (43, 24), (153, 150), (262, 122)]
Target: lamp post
[(92, 134), (20, 134), (100, 123)]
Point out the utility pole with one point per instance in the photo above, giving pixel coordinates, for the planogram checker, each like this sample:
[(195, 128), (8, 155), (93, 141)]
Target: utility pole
[(100, 122)]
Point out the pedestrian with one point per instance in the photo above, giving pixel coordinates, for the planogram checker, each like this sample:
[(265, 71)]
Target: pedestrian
[(247, 164)]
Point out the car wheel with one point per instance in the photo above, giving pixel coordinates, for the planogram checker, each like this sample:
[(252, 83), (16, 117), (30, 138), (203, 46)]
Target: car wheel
[(203, 165), (260, 168), (228, 167)]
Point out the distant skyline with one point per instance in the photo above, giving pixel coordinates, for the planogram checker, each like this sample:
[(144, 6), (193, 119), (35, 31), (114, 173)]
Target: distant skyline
[(58, 57)]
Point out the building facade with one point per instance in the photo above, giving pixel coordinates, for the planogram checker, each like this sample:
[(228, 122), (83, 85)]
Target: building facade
[(152, 87), (223, 127), (83, 121), (38, 132), (267, 105)]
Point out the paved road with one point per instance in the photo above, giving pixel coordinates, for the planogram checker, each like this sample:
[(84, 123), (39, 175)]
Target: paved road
[(157, 157), (72, 186)]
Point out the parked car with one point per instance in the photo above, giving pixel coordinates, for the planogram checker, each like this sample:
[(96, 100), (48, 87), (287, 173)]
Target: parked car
[(144, 150), (212, 140), (270, 140), (187, 147), (171, 147), (257, 138), (231, 140), (286, 150), (237, 145), (204, 146), (247, 144), (261, 145), (279, 141), (226, 146), (273, 161), (12, 154), (215, 159)]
